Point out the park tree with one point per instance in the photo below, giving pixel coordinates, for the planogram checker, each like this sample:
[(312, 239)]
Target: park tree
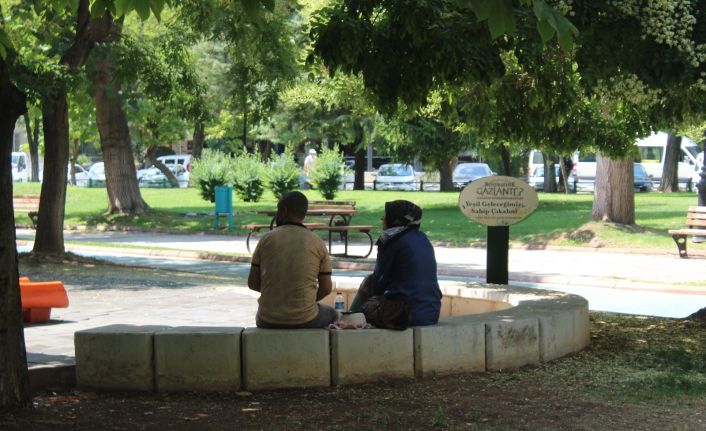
[(82, 113), (14, 385), (260, 54), (649, 50), (431, 134), (154, 94), (336, 109)]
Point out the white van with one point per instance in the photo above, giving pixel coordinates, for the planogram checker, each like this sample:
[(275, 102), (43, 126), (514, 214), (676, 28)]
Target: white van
[(652, 152), (20, 163)]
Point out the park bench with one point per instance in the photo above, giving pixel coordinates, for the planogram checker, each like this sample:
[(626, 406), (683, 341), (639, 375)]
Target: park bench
[(38, 298), (344, 230), (255, 228), (29, 203), (332, 204), (696, 222)]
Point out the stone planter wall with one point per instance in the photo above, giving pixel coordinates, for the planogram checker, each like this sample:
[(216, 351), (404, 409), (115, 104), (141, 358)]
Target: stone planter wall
[(482, 327)]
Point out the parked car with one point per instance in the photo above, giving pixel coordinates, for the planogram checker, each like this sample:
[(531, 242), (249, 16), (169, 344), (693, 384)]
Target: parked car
[(642, 180), (536, 180), (469, 172), (96, 174), (153, 177), (82, 176), (396, 176), (20, 166), (179, 159)]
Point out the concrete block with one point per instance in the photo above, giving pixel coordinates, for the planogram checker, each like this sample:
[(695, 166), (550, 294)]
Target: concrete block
[(193, 358), (465, 306), (563, 325), (371, 354), (445, 306), (116, 357), (490, 293), (511, 341), (285, 358), (448, 348)]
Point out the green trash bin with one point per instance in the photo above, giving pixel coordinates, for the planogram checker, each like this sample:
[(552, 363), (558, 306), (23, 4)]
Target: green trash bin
[(224, 204)]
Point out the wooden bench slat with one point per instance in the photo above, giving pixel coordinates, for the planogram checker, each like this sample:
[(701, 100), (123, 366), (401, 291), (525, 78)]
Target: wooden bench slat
[(700, 223), (696, 216), (345, 228), (695, 232), (697, 209)]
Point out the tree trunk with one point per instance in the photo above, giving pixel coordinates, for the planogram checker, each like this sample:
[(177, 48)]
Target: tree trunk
[(506, 161), (33, 140), (14, 379), (549, 175), (197, 143), (670, 170), (359, 180), (265, 149), (49, 239), (565, 169), (151, 159), (245, 124), (614, 196), (446, 170), (120, 177), (359, 150), (75, 149)]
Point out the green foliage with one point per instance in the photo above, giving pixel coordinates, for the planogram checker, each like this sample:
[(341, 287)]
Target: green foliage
[(329, 172), (282, 175), (214, 168), (248, 173)]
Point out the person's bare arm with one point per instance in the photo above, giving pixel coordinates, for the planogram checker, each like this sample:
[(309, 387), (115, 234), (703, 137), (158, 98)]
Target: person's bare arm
[(325, 286), (254, 278)]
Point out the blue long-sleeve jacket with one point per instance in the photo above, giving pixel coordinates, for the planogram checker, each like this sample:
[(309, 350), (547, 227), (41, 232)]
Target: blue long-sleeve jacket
[(406, 269)]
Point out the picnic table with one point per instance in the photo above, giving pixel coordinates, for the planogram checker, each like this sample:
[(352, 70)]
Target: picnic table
[(345, 214), (340, 217)]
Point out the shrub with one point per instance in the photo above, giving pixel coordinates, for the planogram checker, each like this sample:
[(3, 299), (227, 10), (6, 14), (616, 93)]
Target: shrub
[(248, 171), (329, 172), (282, 175), (214, 168)]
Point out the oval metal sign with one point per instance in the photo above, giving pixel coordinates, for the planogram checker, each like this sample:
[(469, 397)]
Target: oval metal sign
[(498, 200)]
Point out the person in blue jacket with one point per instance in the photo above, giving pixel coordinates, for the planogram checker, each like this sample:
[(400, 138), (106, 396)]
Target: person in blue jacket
[(405, 268)]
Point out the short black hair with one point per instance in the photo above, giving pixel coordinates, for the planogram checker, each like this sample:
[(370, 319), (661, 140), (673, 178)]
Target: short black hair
[(296, 203)]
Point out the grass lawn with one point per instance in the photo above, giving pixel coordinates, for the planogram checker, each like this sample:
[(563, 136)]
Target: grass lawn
[(560, 219)]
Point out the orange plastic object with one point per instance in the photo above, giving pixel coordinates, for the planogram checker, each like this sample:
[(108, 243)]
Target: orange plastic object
[(38, 298)]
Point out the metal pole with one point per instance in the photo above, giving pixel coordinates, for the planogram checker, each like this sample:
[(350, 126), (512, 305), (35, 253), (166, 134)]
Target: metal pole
[(701, 187), (497, 254)]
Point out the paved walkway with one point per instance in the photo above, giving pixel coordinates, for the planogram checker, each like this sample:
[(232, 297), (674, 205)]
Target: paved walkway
[(210, 287)]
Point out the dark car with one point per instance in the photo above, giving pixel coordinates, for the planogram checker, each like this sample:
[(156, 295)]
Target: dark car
[(469, 172), (642, 180)]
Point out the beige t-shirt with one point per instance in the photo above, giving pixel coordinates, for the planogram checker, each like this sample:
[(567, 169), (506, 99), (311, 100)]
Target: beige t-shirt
[(290, 259)]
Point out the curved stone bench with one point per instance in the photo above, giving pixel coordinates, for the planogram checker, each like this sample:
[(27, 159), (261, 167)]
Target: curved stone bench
[(482, 327)]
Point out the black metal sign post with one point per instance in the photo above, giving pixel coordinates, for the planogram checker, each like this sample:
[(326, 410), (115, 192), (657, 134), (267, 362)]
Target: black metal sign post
[(497, 254)]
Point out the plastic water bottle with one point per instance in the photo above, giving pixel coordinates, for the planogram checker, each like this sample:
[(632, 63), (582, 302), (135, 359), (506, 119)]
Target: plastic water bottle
[(340, 304)]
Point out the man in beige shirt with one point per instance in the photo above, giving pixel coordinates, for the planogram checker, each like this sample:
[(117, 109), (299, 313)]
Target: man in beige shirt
[(291, 269)]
